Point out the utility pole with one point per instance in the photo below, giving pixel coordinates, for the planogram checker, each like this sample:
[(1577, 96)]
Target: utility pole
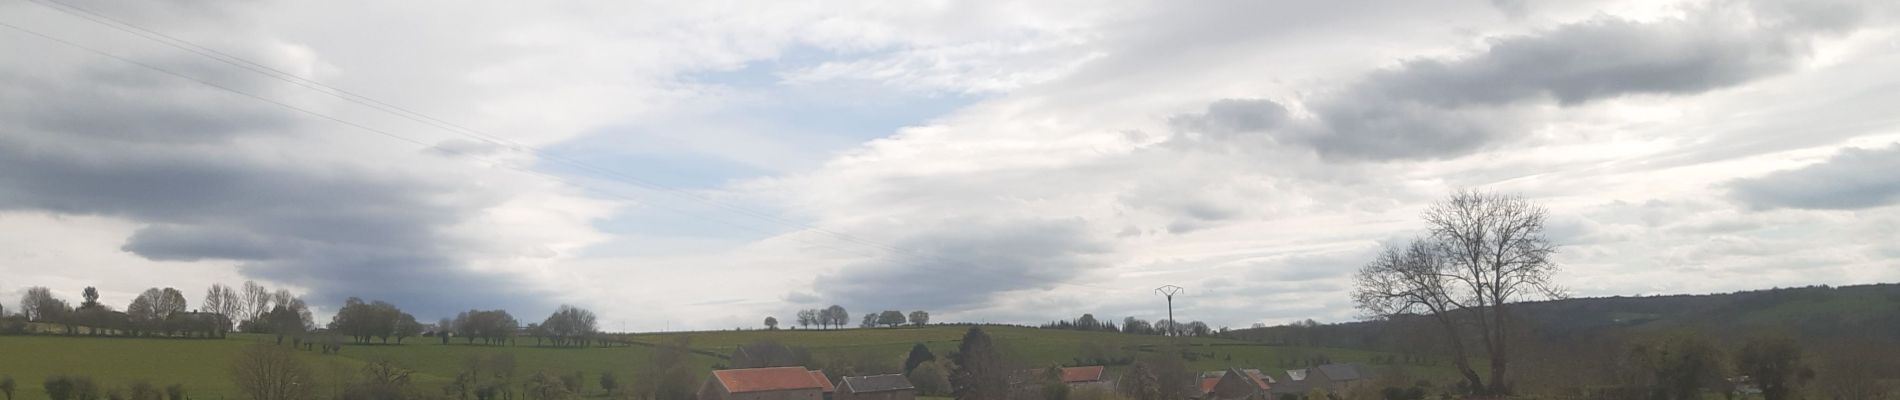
[(1169, 291)]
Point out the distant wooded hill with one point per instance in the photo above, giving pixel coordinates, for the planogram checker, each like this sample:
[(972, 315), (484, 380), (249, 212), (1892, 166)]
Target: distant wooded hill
[(1811, 313)]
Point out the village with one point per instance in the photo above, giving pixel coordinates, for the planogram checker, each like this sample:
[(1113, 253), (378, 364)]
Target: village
[(800, 383)]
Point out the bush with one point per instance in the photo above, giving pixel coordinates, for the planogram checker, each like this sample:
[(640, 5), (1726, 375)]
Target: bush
[(64, 387), (545, 386), (58, 388), (931, 379), (574, 383), (143, 390), (607, 382)]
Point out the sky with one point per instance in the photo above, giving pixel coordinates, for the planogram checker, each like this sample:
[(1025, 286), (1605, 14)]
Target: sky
[(703, 165)]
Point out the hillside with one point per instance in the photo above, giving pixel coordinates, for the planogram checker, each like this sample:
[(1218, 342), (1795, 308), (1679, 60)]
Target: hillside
[(1814, 313), (201, 364), (1025, 346)]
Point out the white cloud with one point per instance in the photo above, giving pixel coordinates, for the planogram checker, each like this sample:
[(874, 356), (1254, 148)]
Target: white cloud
[(1250, 152)]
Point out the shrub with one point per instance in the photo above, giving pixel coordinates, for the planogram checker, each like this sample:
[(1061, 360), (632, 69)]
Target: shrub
[(58, 387), (143, 390)]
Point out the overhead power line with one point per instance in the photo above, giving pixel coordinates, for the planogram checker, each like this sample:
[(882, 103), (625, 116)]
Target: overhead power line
[(454, 128)]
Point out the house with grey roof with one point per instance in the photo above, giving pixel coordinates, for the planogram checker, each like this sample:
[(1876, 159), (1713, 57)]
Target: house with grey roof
[(876, 387), (1332, 378)]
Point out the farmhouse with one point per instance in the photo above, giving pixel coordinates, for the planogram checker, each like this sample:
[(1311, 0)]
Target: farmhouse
[(778, 383), (876, 387), (1080, 377), (1236, 384), (1027, 384), (1330, 377)]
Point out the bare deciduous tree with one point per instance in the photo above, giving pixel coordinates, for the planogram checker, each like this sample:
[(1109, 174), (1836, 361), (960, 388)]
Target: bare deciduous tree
[(171, 301), (223, 301), (256, 300), (266, 372), (807, 318), (1483, 252)]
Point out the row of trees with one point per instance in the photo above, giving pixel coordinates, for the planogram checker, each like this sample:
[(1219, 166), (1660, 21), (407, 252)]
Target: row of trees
[(828, 317), (1131, 325), (568, 326), (894, 318), (256, 309), (491, 326), (363, 321), (836, 317), (81, 387), (165, 311)]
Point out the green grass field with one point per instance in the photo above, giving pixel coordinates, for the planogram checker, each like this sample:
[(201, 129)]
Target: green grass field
[(201, 365), (1025, 345)]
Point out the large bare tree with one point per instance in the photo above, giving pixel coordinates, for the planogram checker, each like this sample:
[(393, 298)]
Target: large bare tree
[(256, 301), (266, 372), (223, 300), (1483, 251)]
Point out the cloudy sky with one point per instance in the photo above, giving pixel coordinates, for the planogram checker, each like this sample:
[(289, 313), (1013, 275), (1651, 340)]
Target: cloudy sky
[(698, 165)]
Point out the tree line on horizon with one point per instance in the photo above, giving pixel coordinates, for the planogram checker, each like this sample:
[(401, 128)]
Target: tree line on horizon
[(1132, 325), (254, 308), (164, 312), (835, 317)]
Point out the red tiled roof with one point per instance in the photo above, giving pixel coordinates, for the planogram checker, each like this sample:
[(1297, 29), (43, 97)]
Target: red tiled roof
[(824, 382), (770, 379), (1207, 384), (1260, 378), (1082, 374)]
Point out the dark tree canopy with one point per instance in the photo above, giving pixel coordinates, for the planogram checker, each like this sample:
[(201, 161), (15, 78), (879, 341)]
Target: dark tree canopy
[(491, 326), (1774, 363), (571, 326), (891, 318), (91, 295), (835, 316), (980, 373), (381, 320), (919, 354)]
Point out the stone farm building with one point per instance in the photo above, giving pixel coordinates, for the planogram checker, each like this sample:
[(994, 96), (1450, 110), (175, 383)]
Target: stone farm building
[(876, 387), (778, 383)]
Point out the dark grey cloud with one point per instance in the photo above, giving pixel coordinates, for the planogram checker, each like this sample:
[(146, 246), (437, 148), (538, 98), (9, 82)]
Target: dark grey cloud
[(1856, 178), (167, 242), (100, 137), (128, 103), (1597, 59), (962, 263), (1431, 108), (337, 230)]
